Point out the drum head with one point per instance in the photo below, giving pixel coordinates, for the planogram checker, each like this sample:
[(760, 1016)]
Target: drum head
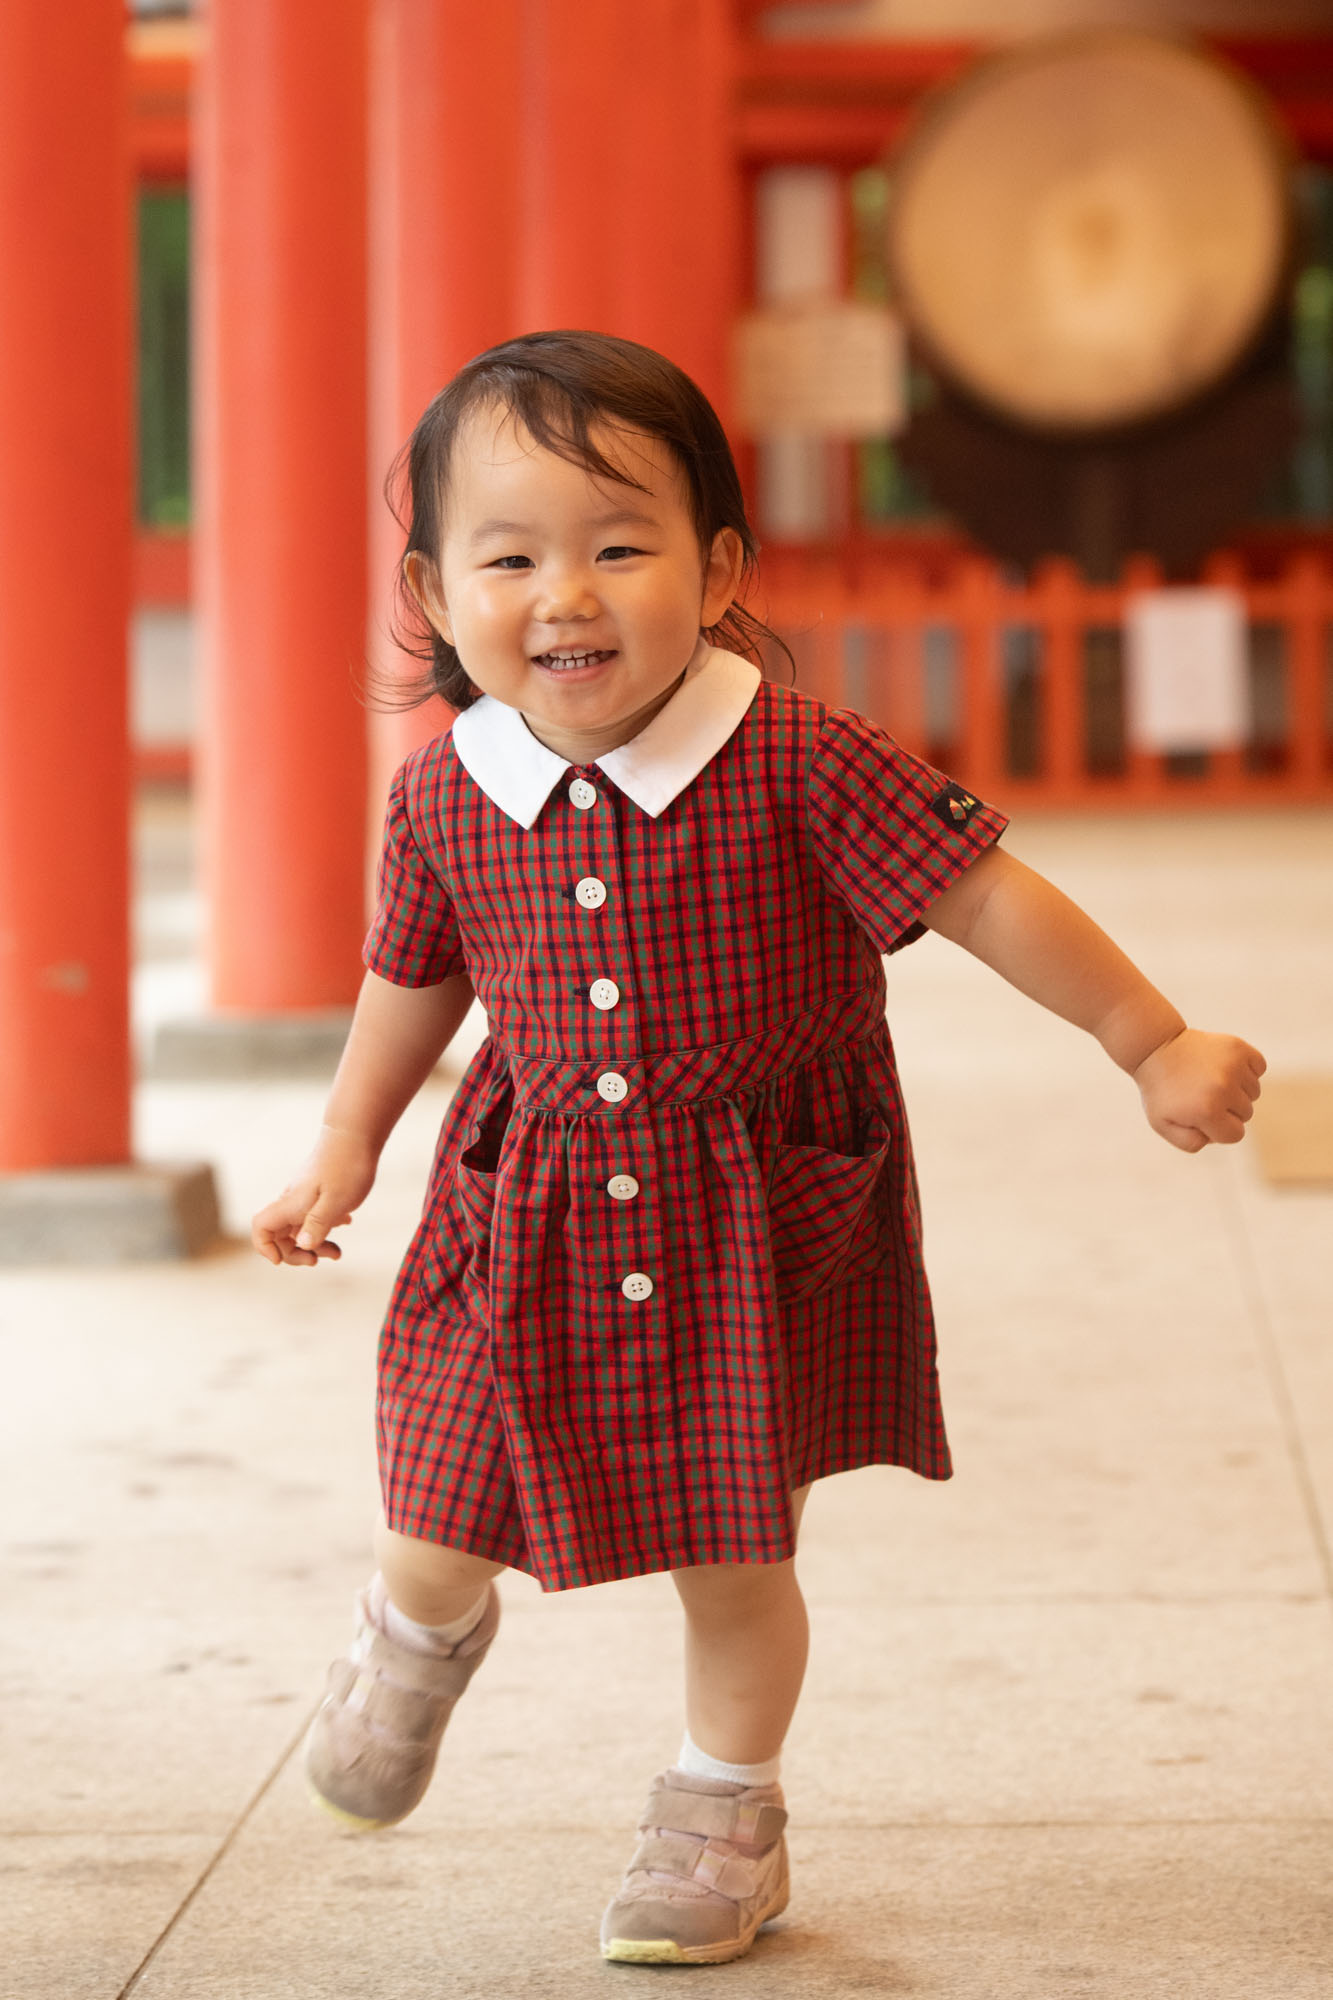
[(1091, 231)]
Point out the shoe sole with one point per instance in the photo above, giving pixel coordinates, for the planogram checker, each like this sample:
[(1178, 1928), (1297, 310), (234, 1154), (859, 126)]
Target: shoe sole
[(666, 1951), (344, 1818)]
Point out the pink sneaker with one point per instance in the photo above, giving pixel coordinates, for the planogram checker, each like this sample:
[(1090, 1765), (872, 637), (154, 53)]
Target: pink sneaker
[(372, 1746), (710, 1868)]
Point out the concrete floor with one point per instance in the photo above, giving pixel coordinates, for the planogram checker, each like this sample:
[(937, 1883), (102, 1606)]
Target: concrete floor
[(1069, 1723)]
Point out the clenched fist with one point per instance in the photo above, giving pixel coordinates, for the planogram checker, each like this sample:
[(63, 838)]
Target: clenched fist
[(1198, 1088)]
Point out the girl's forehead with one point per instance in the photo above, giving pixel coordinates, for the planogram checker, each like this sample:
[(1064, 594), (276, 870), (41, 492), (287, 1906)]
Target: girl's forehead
[(495, 452)]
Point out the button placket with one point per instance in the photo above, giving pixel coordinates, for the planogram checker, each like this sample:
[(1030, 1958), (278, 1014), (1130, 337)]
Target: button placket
[(590, 893), (593, 893)]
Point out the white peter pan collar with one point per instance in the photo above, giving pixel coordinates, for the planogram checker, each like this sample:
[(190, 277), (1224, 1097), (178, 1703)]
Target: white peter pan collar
[(500, 753)]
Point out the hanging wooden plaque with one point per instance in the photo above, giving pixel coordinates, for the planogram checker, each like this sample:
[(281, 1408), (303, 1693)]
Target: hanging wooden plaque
[(826, 368)]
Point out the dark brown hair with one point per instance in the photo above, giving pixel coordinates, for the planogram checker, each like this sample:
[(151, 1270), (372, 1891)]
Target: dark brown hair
[(560, 386)]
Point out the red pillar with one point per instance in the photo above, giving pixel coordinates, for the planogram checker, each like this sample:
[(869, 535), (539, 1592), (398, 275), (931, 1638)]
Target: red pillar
[(574, 68), (677, 261), (65, 522), (629, 186), (280, 435), (443, 211)]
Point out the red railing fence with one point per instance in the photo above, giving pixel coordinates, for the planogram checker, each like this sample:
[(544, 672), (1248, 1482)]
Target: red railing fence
[(1018, 687)]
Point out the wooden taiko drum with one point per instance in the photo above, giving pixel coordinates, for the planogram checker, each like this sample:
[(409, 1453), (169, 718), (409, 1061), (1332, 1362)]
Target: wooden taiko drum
[(1091, 231)]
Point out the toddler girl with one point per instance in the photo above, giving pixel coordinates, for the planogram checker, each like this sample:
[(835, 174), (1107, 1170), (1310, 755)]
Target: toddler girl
[(668, 1271)]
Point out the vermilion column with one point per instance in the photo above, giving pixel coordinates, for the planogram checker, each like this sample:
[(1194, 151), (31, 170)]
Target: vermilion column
[(443, 207), (575, 65), (65, 522), (629, 190), (677, 262), (280, 494)]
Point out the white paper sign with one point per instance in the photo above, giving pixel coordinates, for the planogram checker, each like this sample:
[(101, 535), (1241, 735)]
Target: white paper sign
[(1187, 676), (825, 368)]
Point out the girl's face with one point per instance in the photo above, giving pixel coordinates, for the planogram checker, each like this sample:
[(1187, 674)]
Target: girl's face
[(573, 599)]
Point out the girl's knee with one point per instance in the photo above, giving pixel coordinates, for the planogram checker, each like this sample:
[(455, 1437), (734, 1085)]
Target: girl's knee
[(737, 1588), (421, 1566), (732, 1590)]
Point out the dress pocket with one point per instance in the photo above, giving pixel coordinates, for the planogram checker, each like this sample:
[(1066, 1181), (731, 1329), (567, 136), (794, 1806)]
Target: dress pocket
[(458, 1247), (476, 1199), (824, 1220)]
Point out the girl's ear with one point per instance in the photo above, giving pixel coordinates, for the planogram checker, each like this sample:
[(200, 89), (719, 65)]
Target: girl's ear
[(423, 582), (722, 575)]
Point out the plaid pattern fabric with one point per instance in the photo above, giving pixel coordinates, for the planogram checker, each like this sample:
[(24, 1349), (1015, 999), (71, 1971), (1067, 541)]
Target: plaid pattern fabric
[(536, 1404)]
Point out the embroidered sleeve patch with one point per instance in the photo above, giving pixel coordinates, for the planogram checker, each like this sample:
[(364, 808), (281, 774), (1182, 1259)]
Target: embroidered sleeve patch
[(954, 806)]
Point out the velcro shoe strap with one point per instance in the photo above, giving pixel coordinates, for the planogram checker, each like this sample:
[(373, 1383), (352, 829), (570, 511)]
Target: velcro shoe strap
[(714, 1815), (666, 1854), (424, 1673), (731, 1875), (759, 1826)]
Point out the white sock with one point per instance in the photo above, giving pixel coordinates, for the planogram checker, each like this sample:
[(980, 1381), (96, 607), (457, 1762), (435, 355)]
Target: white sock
[(405, 1631), (700, 1765)]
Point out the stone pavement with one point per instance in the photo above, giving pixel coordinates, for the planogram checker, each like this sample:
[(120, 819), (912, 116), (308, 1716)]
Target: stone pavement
[(1068, 1730)]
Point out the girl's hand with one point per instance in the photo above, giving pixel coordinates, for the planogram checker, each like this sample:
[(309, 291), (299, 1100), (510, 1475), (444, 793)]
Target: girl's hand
[(1198, 1087), (335, 1179)]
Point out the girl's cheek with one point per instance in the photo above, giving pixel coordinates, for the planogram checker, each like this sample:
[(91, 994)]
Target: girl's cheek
[(495, 604)]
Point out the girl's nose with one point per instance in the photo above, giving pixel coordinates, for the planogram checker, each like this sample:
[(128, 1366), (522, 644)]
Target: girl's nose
[(566, 596)]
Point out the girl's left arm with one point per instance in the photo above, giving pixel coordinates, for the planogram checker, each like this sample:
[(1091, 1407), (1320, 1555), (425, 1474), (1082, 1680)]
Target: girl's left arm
[(1195, 1087)]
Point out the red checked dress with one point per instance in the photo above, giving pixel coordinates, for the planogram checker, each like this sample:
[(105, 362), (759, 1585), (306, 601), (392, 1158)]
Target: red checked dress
[(669, 1265)]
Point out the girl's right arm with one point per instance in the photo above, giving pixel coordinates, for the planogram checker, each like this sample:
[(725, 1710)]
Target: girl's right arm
[(398, 1035)]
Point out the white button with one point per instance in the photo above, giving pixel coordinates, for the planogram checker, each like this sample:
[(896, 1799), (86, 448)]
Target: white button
[(638, 1285), (604, 994), (591, 893), (612, 1086), (622, 1187), (582, 794)]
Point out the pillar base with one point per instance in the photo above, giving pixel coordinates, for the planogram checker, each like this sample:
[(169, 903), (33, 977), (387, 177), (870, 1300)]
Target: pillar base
[(108, 1215), (234, 1047)]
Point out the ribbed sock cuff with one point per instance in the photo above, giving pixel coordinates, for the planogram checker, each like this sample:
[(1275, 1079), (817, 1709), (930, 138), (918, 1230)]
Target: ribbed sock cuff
[(699, 1764)]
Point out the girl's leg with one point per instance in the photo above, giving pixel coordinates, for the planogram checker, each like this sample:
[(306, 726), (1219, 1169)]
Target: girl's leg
[(711, 1866), (429, 1584), (746, 1640), (426, 1623)]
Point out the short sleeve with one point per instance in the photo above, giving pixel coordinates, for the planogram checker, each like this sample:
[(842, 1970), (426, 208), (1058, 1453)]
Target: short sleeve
[(890, 832), (414, 940)]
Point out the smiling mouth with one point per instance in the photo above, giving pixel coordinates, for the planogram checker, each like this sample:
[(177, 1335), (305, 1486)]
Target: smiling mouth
[(568, 662)]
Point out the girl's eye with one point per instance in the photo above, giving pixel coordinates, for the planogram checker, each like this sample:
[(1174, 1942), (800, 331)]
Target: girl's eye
[(615, 554), (511, 562)]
